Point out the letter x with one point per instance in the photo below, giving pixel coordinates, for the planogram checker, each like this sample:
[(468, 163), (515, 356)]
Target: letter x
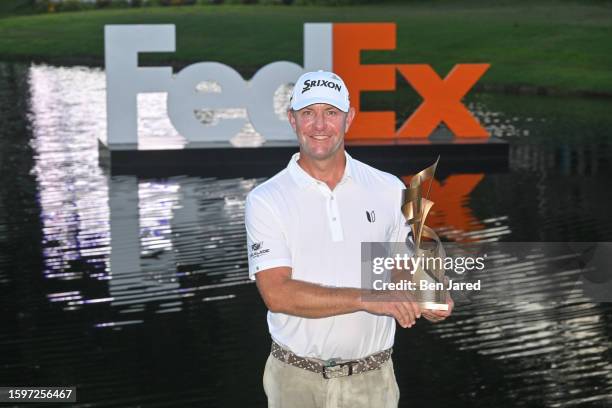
[(442, 100)]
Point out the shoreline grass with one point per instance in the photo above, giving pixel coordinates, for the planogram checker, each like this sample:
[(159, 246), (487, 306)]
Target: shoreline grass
[(557, 45)]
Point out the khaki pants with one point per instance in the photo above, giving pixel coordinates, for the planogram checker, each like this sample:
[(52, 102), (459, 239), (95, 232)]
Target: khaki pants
[(287, 386)]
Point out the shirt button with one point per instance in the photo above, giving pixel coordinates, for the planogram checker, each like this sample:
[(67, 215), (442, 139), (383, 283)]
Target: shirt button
[(334, 219), (332, 198)]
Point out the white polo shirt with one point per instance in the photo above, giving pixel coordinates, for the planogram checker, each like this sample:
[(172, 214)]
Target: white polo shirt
[(294, 220)]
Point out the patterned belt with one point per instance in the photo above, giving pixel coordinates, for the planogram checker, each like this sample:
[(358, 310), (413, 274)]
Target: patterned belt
[(332, 368)]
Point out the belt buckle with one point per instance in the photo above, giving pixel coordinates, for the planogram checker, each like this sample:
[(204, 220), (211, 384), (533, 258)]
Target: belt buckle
[(332, 369)]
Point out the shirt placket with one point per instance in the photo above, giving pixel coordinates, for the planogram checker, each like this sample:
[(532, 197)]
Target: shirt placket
[(333, 213)]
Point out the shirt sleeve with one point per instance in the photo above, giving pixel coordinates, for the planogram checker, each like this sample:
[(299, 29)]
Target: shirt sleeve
[(266, 241)]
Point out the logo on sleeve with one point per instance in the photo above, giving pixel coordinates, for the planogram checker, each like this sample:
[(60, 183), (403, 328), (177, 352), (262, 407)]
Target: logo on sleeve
[(256, 250)]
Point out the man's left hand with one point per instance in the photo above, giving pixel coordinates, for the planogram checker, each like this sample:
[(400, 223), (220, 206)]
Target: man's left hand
[(436, 316)]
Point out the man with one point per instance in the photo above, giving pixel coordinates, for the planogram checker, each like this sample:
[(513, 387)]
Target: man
[(304, 227)]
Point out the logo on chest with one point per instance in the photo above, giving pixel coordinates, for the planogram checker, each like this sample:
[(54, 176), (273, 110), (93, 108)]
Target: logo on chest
[(371, 216)]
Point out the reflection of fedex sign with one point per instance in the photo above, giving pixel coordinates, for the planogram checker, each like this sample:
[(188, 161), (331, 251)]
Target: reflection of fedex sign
[(333, 47)]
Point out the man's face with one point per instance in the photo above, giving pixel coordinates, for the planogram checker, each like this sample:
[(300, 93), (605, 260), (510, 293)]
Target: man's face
[(320, 129)]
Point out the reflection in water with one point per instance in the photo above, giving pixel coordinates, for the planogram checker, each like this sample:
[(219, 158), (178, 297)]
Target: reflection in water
[(140, 286)]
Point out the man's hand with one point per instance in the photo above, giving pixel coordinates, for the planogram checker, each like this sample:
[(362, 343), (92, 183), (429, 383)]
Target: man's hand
[(282, 294), (436, 316), (405, 310)]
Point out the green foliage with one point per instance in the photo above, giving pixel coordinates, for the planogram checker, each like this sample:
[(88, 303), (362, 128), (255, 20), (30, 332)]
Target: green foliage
[(73, 5), (177, 2), (534, 44), (49, 6), (17, 7), (13, 7), (331, 2)]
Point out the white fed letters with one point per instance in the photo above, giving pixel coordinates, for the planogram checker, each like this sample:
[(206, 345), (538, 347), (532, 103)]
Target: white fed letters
[(125, 80)]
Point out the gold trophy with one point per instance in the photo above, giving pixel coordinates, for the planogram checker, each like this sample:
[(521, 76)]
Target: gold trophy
[(428, 275)]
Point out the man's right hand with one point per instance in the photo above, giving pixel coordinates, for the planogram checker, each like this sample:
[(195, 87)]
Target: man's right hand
[(282, 294), (400, 306)]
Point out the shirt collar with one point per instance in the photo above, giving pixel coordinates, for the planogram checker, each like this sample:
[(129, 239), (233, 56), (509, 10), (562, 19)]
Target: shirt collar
[(304, 179)]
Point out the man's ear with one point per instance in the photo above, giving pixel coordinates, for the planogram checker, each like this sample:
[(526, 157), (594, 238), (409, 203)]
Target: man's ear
[(349, 119), (291, 117)]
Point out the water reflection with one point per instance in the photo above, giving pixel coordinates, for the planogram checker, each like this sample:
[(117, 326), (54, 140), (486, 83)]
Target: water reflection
[(152, 273)]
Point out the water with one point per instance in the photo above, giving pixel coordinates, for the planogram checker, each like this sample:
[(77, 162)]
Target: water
[(136, 290)]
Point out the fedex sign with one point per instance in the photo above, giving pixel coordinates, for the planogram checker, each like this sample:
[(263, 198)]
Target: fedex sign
[(331, 47)]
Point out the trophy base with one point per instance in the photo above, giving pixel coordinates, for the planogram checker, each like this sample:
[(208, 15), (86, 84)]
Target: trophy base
[(433, 306)]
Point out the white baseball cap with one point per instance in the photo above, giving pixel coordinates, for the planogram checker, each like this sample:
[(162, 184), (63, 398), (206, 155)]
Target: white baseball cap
[(320, 87)]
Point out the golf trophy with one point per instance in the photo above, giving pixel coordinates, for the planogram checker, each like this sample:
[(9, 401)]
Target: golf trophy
[(428, 276)]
